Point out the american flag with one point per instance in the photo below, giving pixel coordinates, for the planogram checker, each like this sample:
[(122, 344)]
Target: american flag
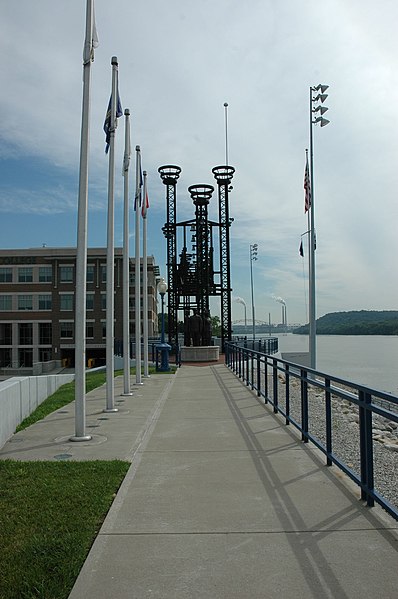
[(307, 187), (145, 205)]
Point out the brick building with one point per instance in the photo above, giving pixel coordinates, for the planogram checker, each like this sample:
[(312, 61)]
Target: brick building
[(37, 302)]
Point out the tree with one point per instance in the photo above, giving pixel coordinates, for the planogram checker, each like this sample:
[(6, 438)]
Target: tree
[(215, 326)]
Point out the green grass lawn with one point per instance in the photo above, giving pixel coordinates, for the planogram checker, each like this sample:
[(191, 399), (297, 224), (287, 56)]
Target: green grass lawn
[(66, 394), (50, 514)]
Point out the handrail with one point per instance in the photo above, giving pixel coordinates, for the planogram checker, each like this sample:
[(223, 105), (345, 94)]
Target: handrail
[(290, 388)]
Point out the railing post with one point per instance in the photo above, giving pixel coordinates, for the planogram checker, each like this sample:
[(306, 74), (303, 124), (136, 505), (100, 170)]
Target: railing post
[(275, 384), (252, 370), (258, 376), (287, 406), (366, 446), (328, 416), (304, 406), (240, 361), (265, 380)]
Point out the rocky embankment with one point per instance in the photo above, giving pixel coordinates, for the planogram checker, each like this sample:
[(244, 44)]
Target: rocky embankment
[(345, 435)]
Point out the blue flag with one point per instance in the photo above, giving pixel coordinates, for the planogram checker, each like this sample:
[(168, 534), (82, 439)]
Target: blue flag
[(107, 123)]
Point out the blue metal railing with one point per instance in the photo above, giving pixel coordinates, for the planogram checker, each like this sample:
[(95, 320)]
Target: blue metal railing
[(286, 386), (267, 345)]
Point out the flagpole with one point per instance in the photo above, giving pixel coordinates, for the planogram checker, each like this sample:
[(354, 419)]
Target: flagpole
[(311, 295), (110, 253), (81, 250), (145, 277), (226, 132), (126, 259), (137, 204)]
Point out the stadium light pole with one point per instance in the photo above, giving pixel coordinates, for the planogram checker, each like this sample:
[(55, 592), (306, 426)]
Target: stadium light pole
[(316, 111), (253, 257)]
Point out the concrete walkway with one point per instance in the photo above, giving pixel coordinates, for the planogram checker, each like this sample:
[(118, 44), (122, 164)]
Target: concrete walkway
[(222, 500)]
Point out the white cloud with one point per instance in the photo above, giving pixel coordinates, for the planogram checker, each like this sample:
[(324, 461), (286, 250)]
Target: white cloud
[(179, 62)]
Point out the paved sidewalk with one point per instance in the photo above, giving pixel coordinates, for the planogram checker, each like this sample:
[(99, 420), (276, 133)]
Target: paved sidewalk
[(222, 500)]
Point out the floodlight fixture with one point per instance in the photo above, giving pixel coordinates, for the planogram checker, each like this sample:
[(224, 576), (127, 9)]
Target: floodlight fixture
[(320, 98), (321, 109), (321, 87), (321, 121)]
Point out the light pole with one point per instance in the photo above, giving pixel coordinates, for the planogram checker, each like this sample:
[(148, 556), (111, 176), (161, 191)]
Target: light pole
[(316, 111), (253, 256), (163, 347)]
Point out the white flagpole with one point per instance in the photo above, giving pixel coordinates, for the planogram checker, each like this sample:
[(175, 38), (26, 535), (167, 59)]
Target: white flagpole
[(126, 259), (137, 203), (145, 277), (110, 251), (81, 252)]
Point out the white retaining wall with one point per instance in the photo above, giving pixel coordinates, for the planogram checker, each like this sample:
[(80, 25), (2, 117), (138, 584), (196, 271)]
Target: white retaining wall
[(20, 396)]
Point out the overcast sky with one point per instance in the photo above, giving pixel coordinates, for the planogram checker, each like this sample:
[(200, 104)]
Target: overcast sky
[(179, 61)]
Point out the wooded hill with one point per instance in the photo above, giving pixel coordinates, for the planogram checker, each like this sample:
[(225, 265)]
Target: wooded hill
[(361, 322)]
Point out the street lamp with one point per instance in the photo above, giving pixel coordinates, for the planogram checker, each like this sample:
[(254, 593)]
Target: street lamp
[(253, 257), (163, 347), (317, 110)]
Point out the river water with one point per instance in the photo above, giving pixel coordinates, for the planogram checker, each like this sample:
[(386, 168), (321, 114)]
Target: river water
[(371, 360)]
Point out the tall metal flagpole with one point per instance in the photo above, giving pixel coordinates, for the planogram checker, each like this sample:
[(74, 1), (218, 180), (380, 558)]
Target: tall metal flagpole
[(126, 259), (137, 205), (110, 251), (311, 291), (145, 277), (226, 132), (81, 256)]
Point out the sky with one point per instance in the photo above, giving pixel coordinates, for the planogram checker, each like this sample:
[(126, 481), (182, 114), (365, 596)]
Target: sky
[(179, 62)]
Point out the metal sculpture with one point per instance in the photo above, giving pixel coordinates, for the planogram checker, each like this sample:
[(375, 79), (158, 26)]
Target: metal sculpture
[(192, 274)]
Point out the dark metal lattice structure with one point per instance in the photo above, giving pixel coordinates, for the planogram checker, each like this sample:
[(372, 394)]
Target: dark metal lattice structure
[(223, 176), (191, 274), (169, 175)]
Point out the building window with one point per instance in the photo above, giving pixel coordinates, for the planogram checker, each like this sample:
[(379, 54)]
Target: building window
[(5, 333), (25, 302), (45, 274), (5, 357), (90, 273), (89, 330), (44, 355), (66, 301), (5, 303), (5, 275), (25, 330), (103, 330), (66, 274), (66, 331), (45, 302), (90, 301), (25, 358), (103, 301), (45, 333), (25, 274), (103, 274)]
